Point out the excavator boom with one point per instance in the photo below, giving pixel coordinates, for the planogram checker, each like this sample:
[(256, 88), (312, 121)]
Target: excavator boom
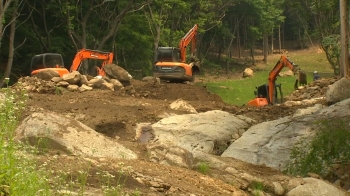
[(92, 54), (190, 36), (283, 62)]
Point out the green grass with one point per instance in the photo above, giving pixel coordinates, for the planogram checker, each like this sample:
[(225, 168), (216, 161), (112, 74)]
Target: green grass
[(240, 91), (18, 174)]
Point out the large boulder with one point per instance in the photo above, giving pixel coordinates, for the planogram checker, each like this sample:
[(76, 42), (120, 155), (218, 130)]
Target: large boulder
[(116, 72), (182, 105), (200, 131), (248, 73), (270, 143), (60, 133), (317, 187), (338, 91), (47, 74), (72, 77)]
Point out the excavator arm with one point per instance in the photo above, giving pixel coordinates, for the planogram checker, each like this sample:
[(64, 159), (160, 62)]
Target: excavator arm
[(283, 62), (191, 35), (92, 54)]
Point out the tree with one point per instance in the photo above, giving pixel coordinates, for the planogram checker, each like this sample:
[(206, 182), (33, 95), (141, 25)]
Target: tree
[(12, 6)]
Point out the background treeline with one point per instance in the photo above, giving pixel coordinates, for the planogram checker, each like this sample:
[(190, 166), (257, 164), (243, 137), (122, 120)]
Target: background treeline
[(133, 29)]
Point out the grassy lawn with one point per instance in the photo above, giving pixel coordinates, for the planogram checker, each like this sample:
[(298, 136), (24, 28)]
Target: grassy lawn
[(240, 91)]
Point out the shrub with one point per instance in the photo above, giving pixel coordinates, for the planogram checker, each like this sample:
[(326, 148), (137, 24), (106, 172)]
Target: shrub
[(331, 144)]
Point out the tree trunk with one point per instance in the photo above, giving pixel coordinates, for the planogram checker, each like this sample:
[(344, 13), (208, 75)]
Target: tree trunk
[(156, 44), (11, 44), (266, 46), (272, 42), (344, 55), (279, 39)]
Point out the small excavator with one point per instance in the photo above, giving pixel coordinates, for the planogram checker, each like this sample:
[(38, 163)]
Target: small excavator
[(54, 61), (171, 62), (268, 93)]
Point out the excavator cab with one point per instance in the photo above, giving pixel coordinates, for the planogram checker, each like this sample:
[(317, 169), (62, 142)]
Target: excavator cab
[(46, 61), (168, 54), (262, 95)]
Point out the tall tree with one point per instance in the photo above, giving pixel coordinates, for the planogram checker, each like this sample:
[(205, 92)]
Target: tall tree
[(12, 23)]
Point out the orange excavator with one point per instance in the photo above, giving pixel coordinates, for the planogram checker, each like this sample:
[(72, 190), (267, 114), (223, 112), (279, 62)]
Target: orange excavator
[(84, 54), (54, 61), (171, 62), (267, 93)]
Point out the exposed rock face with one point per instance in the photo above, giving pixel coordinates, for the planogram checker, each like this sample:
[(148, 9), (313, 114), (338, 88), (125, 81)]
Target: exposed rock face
[(200, 131), (270, 143), (338, 91), (57, 132)]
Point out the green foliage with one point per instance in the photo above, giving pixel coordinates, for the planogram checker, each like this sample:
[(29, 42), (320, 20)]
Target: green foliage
[(18, 173), (329, 145), (257, 188), (203, 167), (331, 45)]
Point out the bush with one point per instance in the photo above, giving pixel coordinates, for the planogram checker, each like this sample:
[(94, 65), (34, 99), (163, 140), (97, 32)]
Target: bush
[(331, 144)]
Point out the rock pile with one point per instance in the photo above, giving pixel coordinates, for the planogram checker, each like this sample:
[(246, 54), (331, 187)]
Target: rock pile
[(316, 89), (48, 81)]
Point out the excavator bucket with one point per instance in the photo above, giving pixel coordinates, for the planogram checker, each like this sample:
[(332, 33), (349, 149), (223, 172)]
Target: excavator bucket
[(258, 102)]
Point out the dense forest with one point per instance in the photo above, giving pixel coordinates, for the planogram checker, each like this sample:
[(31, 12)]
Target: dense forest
[(133, 29)]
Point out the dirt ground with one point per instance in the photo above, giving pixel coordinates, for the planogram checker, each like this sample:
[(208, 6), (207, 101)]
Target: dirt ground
[(116, 113)]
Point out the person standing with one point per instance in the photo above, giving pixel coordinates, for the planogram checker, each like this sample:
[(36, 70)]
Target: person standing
[(316, 76)]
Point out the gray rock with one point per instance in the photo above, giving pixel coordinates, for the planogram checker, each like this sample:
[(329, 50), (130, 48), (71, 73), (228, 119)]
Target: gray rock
[(199, 131), (84, 87), (271, 142), (117, 85), (116, 72), (182, 105), (83, 80), (47, 74), (68, 135), (96, 83), (56, 79), (73, 87), (338, 91), (317, 187), (248, 73), (72, 78)]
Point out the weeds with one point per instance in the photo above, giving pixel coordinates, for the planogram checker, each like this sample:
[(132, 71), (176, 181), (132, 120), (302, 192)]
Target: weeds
[(257, 188), (330, 145), (203, 168), (18, 174)]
